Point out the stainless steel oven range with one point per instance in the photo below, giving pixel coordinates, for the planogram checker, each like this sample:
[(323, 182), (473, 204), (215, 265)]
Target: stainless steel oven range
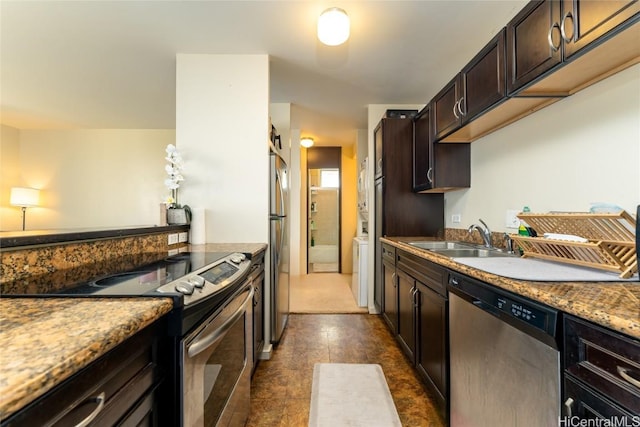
[(207, 350)]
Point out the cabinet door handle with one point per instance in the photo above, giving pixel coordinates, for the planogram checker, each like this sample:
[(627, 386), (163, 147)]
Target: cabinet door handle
[(411, 295), (380, 165), (568, 404), (623, 373), (455, 107), (414, 293), (550, 38), (462, 113), (393, 278), (563, 31), (430, 175), (99, 399), (256, 296)]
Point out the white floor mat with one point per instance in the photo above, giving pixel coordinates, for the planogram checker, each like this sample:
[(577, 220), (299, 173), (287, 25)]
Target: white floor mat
[(347, 394)]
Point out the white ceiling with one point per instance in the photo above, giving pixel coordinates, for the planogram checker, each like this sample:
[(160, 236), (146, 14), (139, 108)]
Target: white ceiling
[(111, 64)]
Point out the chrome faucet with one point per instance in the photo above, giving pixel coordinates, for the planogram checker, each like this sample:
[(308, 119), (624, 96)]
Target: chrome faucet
[(508, 243), (485, 232)]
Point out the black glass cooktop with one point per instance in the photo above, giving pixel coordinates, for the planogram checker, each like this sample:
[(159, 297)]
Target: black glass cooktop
[(141, 280)]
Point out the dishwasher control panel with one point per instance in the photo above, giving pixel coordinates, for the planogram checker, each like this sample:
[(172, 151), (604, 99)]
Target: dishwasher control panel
[(510, 307), (521, 311)]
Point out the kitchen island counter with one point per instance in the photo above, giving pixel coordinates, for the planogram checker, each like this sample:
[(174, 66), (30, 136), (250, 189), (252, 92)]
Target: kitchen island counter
[(44, 341), (615, 305)]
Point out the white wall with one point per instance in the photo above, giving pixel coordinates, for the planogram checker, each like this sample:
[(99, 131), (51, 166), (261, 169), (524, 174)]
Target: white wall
[(91, 178), (222, 131), (10, 217), (583, 149)]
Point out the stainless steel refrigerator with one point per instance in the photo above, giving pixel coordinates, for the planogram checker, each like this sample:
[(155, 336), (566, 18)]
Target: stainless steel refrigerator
[(278, 244)]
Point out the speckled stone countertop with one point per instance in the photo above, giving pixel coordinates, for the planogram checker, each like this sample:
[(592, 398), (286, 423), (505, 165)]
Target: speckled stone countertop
[(615, 305), (39, 348), (45, 340)]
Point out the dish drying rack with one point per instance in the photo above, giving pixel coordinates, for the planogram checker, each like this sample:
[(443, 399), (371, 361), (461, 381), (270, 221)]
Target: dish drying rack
[(610, 246)]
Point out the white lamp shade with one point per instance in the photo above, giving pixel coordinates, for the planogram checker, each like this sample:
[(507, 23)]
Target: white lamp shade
[(306, 142), (333, 27), (21, 196)]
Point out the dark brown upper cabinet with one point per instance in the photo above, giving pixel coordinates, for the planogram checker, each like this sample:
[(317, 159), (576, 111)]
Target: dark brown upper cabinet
[(446, 117), (479, 86), (585, 22), (548, 33), (437, 167), (483, 79), (533, 47), (422, 149), (551, 49)]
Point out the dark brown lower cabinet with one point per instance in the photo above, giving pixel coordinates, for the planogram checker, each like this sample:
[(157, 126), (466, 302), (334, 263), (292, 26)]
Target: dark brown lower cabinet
[(602, 374), (258, 308), (123, 381), (583, 402), (407, 314), (423, 322), (431, 360), (390, 306)]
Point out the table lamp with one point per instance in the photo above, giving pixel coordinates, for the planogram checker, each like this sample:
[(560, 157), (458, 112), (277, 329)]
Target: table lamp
[(25, 198)]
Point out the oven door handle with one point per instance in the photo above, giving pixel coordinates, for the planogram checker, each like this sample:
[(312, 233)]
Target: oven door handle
[(201, 344)]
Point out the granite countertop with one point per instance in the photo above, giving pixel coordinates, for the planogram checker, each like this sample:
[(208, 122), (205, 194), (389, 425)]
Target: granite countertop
[(10, 240), (43, 341), (615, 305)]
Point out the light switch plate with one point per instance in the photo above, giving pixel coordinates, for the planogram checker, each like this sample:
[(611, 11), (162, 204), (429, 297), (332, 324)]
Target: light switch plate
[(511, 219), (183, 237), (456, 218), (173, 239)]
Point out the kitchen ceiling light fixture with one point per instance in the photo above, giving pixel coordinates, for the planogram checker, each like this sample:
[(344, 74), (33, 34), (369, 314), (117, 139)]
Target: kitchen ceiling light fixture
[(25, 198), (333, 26), (306, 142)]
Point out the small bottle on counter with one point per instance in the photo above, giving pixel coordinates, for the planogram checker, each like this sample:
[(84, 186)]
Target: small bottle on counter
[(522, 229)]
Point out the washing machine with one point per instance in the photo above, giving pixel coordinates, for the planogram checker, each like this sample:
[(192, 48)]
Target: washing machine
[(359, 275)]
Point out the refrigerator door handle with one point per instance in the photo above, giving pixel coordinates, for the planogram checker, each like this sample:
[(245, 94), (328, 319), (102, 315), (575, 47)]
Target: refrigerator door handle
[(281, 242), (280, 196)]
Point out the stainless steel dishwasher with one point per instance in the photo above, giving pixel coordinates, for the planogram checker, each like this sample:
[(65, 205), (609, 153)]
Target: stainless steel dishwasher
[(504, 358)]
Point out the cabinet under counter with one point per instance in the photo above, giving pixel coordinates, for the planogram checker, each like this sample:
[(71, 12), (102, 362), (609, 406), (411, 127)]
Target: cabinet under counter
[(46, 342)]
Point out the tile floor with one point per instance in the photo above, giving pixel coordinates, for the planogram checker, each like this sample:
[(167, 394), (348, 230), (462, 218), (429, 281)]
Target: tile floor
[(323, 293), (281, 387)]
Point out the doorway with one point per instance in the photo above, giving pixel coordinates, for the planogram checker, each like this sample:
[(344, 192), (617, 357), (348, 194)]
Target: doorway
[(323, 210)]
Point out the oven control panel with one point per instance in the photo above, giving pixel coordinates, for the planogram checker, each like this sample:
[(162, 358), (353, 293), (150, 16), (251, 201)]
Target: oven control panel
[(210, 279)]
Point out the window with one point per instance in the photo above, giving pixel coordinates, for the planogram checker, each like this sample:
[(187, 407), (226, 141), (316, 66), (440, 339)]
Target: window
[(330, 178)]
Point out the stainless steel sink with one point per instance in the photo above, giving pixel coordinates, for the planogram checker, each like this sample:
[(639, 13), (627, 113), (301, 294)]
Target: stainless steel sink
[(453, 249), (437, 245), (469, 252)]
